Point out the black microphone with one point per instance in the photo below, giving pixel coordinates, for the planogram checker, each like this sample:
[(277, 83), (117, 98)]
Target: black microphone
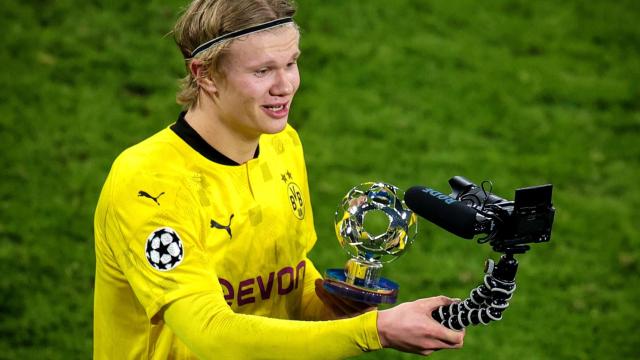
[(442, 210)]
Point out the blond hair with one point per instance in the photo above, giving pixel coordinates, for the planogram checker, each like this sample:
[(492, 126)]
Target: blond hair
[(204, 20)]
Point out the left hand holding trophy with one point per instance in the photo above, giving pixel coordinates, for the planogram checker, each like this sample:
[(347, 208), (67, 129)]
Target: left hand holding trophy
[(375, 227)]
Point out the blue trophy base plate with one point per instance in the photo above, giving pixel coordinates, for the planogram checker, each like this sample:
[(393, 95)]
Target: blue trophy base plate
[(385, 291)]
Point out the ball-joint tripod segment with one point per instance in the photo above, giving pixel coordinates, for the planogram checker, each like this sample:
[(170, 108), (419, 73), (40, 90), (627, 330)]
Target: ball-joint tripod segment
[(487, 301)]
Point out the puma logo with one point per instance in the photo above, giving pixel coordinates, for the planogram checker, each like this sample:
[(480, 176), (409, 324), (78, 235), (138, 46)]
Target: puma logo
[(217, 225), (146, 194)]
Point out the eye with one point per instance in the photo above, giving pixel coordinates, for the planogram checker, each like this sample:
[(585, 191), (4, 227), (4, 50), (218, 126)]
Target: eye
[(292, 63), (261, 72)]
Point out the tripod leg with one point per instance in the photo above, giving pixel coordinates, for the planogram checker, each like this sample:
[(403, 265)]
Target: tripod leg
[(485, 302)]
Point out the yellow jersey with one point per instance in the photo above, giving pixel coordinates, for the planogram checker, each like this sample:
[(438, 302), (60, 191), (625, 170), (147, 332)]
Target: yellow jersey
[(177, 218)]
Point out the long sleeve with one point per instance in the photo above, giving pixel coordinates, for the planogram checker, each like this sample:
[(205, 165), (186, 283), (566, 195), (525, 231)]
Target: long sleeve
[(212, 330)]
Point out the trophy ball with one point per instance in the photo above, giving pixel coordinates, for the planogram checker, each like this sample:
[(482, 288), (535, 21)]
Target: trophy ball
[(373, 224)]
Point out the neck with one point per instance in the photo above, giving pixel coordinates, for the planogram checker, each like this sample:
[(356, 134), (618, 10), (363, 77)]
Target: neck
[(205, 120)]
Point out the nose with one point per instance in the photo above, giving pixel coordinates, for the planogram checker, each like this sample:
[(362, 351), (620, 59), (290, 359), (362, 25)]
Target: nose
[(284, 84)]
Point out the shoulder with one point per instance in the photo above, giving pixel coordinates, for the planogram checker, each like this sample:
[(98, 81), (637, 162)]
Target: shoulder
[(149, 186), (152, 154), (156, 164)]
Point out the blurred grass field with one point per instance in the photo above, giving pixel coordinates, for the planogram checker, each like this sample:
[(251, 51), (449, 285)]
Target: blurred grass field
[(406, 91)]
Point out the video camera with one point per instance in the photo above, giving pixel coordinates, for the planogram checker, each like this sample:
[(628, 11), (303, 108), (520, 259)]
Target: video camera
[(509, 225)]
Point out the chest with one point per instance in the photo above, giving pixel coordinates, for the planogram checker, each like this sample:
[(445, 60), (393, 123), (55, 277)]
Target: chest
[(255, 221)]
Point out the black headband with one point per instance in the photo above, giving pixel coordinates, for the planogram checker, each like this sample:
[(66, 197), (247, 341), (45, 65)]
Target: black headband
[(238, 33)]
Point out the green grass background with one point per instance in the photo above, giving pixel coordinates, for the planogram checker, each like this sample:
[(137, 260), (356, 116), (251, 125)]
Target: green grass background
[(405, 91)]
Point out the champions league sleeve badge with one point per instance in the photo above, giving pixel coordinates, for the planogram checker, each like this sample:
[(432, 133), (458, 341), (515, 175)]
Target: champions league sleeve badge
[(164, 250)]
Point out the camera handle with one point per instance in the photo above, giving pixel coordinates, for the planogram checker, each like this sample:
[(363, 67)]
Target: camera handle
[(487, 301)]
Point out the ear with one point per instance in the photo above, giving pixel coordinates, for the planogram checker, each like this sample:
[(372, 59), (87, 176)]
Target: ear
[(202, 77)]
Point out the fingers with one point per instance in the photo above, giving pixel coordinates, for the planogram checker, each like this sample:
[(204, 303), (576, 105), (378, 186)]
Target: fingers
[(444, 334), (328, 300), (433, 303), (444, 344), (356, 306), (451, 338), (340, 306), (409, 327)]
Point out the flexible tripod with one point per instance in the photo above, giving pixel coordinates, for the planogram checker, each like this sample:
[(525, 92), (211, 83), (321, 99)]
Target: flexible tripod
[(487, 301)]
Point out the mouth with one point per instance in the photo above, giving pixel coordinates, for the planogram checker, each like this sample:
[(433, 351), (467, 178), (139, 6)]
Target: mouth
[(276, 111), (275, 107)]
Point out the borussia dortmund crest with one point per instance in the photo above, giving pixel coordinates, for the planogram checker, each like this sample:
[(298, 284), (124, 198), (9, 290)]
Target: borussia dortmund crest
[(295, 195)]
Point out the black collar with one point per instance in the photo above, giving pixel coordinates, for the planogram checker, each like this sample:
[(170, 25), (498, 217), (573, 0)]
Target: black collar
[(193, 139)]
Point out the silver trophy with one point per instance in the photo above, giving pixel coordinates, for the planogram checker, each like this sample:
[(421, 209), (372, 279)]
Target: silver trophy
[(375, 227)]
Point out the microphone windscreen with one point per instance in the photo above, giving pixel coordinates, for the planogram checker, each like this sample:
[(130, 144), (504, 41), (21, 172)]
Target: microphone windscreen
[(442, 210)]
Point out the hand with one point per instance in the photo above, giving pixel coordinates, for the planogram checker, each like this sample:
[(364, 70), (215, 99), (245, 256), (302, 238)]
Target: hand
[(409, 327), (341, 307)]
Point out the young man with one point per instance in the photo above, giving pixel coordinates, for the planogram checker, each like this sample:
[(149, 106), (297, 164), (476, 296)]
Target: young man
[(202, 231)]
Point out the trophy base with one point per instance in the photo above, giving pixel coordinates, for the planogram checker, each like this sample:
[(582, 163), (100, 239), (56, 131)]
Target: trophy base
[(384, 291)]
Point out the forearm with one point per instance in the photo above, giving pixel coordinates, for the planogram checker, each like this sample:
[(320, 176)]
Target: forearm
[(213, 331)]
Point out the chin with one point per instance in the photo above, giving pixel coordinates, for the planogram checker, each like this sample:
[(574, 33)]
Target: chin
[(276, 126)]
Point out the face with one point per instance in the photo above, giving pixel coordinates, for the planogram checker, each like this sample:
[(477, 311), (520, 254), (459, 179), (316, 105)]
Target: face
[(260, 78)]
